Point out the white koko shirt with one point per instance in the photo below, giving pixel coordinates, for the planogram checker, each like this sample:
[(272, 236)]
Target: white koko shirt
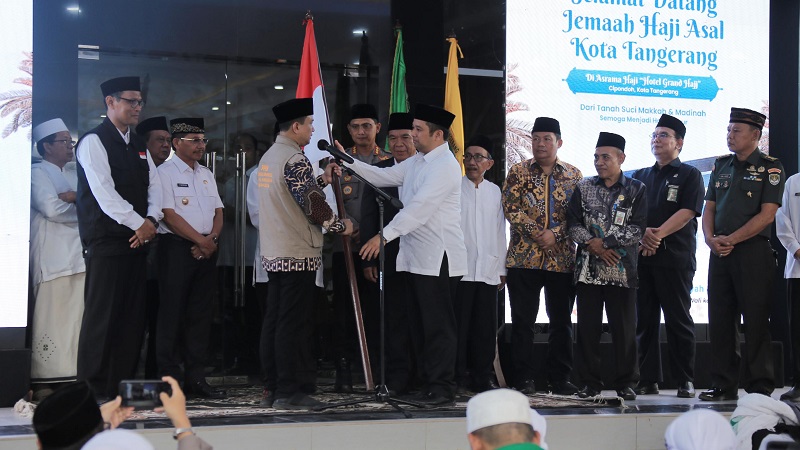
[(429, 225), (484, 226)]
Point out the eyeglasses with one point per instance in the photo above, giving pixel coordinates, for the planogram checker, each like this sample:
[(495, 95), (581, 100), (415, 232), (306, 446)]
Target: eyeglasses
[(364, 126), (133, 102), (195, 141), (661, 136), (477, 158), (67, 142)]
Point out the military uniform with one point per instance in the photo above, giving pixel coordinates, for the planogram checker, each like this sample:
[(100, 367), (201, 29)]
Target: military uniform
[(345, 334), (741, 282)]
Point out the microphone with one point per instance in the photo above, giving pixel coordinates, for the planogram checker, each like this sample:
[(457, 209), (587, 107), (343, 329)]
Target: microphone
[(335, 152)]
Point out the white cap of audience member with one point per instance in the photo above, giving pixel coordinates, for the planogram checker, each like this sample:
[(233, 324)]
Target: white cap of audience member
[(502, 417), (700, 429), (118, 439)]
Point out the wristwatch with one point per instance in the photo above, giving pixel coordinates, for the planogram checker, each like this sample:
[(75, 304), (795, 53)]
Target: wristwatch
[(180, 431), (153, 219)]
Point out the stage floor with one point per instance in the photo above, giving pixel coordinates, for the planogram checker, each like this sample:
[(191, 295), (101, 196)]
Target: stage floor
[(639, 424)]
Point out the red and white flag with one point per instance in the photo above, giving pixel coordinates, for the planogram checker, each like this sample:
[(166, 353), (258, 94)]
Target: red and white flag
[(310, 85)]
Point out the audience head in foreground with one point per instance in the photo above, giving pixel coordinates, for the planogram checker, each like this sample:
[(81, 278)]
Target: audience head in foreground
[(503, 417), (700, 429)]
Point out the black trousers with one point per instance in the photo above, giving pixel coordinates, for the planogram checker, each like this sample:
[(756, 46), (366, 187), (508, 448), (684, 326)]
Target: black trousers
[(344, 328), (524, 287), (397, 345), (286, 336), (740, 284), (186, 290), (433, 328), (793, 291), (620, 306), (113, 321), (667, 289), (476, 311)]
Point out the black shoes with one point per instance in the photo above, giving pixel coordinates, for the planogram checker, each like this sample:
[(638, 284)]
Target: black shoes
[(626, 394), (344, 379), (201, 389), (588, 391), (297, 402), (793, 394), (563, 388), (434, 399), (646, 389), (686, 390), (484, 385), (267, 399), (718, 395), (527, 387)]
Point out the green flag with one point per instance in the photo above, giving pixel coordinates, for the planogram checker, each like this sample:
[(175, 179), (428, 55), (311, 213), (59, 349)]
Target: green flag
[(398, 101)]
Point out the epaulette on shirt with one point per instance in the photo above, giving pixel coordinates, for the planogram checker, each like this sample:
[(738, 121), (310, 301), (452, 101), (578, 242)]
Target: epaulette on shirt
[(768, 158)]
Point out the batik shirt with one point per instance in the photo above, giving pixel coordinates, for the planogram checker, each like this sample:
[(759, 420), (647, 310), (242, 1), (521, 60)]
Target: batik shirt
[(618, 216), (534, 201)]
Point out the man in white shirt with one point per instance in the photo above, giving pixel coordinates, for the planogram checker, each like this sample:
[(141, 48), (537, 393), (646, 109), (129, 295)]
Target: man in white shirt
[(787, 226), (119, 205), (431, 245), (57, 267), (187, 257), (483, 225)]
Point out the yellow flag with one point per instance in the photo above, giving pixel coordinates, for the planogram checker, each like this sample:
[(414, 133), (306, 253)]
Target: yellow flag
[(452, 102)]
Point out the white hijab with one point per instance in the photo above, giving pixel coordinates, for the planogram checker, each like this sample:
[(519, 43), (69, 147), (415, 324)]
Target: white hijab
[(700, 429)]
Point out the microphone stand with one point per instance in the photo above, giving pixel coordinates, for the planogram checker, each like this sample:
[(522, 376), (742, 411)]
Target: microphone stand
[(381, 390)]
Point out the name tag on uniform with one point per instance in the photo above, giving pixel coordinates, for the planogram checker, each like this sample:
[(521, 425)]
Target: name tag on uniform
[(183, 185), (619, 217), (672, 193)]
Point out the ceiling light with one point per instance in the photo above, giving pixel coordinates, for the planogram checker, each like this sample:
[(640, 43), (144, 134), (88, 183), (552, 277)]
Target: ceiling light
[(74, 9), (215, 108), (227, 103), (103, 116), (279, 87), (359, 32)]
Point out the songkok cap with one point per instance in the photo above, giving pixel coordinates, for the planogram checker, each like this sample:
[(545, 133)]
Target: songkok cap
[(546, 125), (67, 416), (610, 140), (187, 125), (539, 425), (120, 84), (151, 124), (700, 429), (748, 116), (481, 141), (401, 121), (496, 407), (432, 114), (118, 439), (293, 109), (673, 123), (363, 111), (48, 128)]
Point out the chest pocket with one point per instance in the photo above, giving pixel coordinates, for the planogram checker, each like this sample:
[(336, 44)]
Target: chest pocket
[(750, 191)]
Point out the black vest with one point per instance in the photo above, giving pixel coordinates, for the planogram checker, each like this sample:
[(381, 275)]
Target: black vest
[(100, 234)]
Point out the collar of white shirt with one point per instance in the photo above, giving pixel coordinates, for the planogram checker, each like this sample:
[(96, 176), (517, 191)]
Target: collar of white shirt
[(436, 153), (182, 166)]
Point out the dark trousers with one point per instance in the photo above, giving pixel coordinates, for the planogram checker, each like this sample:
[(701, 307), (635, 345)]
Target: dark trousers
[(793, 291), (476, 310), (524, 287), (286, 337), (433, 328), (620, 306), (397, 345), (740, 284), (152, 305), (186, 290), (113, 321), (344, 329), (667, 289)]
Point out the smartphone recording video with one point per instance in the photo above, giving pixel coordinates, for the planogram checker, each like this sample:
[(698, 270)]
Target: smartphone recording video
[(143, 394)]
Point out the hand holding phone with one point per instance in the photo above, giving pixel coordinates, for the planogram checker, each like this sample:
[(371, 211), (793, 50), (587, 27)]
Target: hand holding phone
[(143, 394)]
